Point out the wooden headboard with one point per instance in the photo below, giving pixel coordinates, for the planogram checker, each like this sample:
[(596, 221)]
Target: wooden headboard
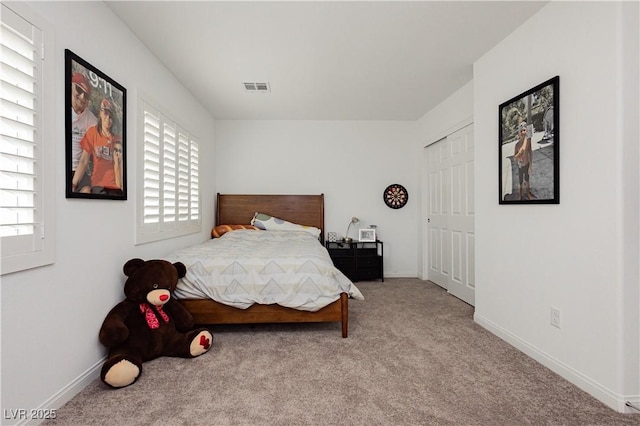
[(238, 209)]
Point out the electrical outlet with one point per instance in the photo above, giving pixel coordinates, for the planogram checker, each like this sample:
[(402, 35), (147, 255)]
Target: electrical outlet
[(556, 317)]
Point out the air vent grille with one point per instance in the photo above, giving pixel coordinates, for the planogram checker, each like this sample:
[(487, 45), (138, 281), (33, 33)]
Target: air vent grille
[(256, 87)]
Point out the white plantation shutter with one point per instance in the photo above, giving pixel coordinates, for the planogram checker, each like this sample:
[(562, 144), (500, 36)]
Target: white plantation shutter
[(19, 150), (194, 190), (183, 177), (22, 147), (151, 167), (170, 202), (169, 176)]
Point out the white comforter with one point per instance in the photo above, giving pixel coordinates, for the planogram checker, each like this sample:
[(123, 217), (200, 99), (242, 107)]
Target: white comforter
[(243, 267)]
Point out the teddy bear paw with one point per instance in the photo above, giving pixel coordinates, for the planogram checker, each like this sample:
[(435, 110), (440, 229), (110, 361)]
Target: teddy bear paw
[(201, 343), (122, 374)]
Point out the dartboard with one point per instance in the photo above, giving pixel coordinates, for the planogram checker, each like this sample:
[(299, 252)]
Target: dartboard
[(395, 196)]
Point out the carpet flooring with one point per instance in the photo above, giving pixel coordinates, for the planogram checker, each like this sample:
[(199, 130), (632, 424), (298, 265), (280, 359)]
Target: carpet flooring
[(414, 356)]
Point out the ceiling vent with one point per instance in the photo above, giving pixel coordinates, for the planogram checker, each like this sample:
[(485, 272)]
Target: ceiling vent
[(256, 87)]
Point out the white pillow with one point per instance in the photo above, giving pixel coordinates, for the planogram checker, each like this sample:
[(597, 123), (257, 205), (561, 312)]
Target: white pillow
[(270, 223)]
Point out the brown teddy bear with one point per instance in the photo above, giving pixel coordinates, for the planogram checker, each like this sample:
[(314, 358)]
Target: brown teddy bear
[(149, 323)]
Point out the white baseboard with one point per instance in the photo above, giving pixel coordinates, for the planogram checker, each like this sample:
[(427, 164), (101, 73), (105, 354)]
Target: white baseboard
[(593, 388), (66, 393), (400, 275)]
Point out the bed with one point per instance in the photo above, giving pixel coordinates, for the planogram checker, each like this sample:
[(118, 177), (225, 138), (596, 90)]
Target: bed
[(239, 209)]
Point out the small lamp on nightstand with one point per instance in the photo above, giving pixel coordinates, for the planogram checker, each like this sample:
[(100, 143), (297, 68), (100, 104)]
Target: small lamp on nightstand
[(347, 239)]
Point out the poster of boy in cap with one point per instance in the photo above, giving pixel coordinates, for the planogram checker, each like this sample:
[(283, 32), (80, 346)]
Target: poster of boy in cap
[(81, 119), (95, 132), (528, 146)]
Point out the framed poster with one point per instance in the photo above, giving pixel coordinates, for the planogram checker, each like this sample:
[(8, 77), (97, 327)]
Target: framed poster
[(528, 146), (96, 131)]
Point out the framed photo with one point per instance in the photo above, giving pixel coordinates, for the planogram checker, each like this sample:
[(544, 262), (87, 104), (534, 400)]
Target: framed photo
[(367, 235), (96, 132), (528, 146)]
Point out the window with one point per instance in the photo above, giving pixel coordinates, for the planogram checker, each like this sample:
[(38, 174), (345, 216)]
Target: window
[(168, 191), (26, 153)]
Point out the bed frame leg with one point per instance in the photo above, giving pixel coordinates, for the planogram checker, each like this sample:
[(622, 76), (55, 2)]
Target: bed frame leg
[(344, 306)]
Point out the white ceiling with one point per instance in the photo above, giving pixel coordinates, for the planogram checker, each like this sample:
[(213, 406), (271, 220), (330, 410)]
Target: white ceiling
[(324, 60)]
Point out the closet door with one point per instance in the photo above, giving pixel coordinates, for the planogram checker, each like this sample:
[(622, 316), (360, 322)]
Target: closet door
[(450, 214), (438, 236)]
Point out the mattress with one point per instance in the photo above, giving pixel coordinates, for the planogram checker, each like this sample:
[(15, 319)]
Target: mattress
[(243, 267)]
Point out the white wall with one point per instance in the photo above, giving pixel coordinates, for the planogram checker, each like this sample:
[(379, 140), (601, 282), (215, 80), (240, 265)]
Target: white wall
[(450, 115), (351, 162), (51, 315), (582, 255), (629, 131)]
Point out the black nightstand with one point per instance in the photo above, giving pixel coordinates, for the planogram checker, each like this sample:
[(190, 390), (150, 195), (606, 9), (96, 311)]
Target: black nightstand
[(359, 261)]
